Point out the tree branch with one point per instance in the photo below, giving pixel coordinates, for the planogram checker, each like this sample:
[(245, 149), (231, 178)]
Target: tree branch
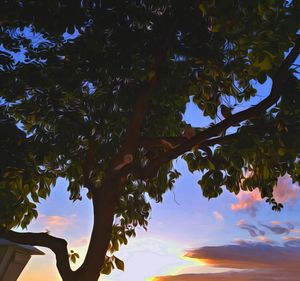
[(150, 170), (140, 107), (201, 138), (157, 142), (57, 245), (138, 114)]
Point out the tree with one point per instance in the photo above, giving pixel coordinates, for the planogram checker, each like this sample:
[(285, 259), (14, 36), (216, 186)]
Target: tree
[(94, 92)]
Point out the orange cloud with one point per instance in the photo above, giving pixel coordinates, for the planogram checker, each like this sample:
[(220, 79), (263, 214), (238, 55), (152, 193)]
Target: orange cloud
[(289, 238)]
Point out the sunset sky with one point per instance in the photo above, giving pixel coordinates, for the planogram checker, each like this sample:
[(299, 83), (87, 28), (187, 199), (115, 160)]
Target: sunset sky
[(189, 238)]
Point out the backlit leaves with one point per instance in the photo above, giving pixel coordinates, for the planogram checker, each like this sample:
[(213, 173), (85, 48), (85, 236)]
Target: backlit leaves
[(69, 86)]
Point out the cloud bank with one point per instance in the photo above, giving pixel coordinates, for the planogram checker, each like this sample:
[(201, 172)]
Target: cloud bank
[(264, 260), (257, 261)]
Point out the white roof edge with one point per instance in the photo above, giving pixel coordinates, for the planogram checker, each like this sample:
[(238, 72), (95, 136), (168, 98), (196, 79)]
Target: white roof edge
[(27, 248)]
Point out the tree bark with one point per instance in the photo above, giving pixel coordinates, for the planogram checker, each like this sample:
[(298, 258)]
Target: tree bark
[(105, 200)]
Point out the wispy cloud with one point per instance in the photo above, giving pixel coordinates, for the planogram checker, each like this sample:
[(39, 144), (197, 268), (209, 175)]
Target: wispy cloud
[(289, 238), (293, 243), (54, 224), (277, 229), (296, 231), (57, 221), (265, 240), (81, 242), (252, 229), (218, 216)]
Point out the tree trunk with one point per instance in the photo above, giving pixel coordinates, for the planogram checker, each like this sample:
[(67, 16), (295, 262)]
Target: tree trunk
[(105, 200)]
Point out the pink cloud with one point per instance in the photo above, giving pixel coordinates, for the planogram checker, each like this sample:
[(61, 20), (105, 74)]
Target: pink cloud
[(284, 192), (247, 201), (54, 224), (266, 240), (53, 221), (81, 242), (218, 216)]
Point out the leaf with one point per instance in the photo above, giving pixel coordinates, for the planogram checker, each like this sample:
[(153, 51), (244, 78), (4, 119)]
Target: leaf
[(281, 151), (211, 165), (262, 78), (34, 197), (119, 264), (73, 258), (106, 270), (265, 64), (42, 193)]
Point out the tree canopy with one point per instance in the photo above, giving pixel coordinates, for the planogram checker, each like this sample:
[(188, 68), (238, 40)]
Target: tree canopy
[(95, 92)]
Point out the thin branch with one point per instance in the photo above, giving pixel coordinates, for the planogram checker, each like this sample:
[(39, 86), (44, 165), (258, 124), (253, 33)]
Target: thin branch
[(157, 142), (88, 164), (201, 138), (57, 245)]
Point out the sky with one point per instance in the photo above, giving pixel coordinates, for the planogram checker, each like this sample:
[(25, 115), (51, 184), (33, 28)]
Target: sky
[(189, 237)]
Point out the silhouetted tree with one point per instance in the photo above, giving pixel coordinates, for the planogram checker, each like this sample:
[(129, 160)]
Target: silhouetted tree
[(94, 92)]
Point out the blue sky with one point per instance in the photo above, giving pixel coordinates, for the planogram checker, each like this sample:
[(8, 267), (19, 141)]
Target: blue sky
[(187, 233)]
